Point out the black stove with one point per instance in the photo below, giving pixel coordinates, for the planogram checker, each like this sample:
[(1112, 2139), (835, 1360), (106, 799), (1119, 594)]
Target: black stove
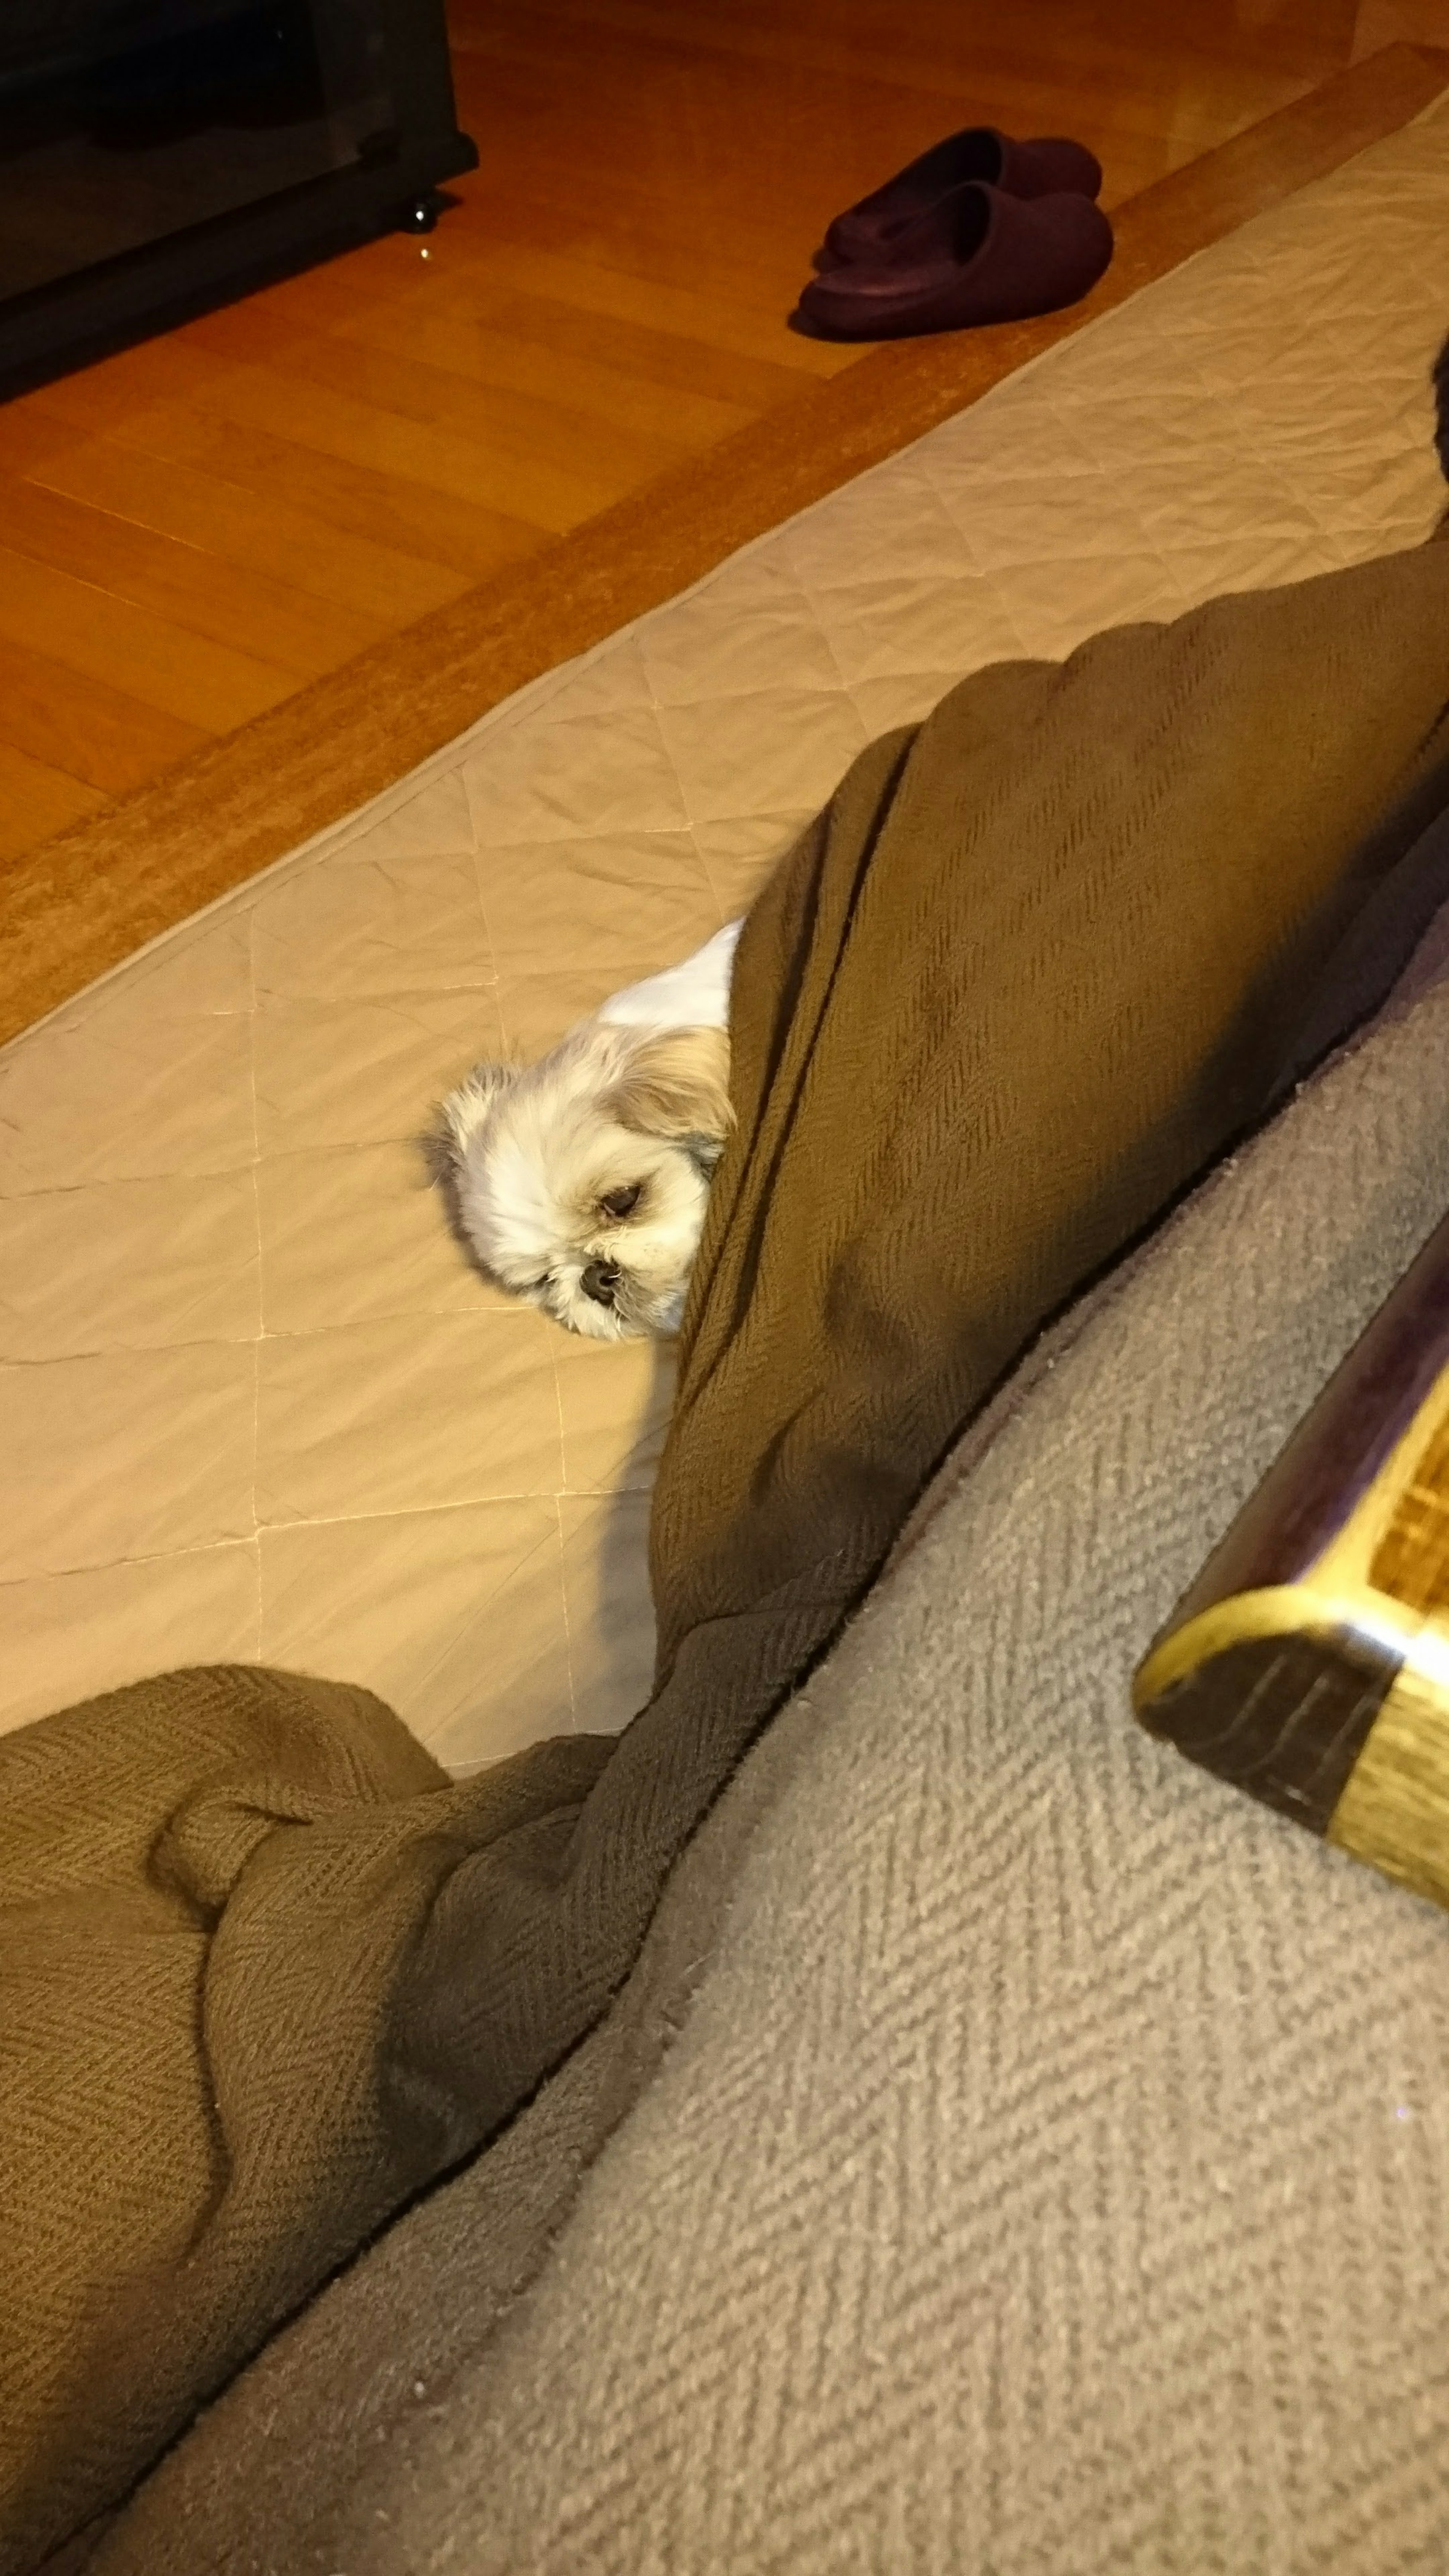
[(157, 155)]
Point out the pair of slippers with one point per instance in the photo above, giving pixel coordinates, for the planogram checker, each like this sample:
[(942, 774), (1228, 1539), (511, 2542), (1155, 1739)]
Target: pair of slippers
[(979, 229)]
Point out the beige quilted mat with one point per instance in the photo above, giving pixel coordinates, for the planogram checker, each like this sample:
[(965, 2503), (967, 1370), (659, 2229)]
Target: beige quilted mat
[(254, 1403)]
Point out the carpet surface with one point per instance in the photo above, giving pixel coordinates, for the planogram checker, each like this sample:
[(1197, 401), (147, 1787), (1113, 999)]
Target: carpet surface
[(258, 1408), (1025, 975)]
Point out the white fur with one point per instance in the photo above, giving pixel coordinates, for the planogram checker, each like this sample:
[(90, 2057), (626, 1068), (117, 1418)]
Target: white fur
[(695, 995), (581, 1181)]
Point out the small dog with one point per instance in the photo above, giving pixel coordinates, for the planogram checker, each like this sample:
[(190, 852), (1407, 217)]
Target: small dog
[(580, 1182)]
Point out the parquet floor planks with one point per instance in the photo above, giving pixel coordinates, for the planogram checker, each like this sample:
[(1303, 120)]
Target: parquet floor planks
[(198, 528)]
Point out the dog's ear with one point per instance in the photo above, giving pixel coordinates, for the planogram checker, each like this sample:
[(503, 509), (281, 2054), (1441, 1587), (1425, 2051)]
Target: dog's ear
[(467, 1109), (677, 1085)]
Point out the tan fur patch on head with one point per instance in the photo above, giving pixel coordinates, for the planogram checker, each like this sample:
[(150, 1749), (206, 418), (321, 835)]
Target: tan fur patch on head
[(676, 1084)]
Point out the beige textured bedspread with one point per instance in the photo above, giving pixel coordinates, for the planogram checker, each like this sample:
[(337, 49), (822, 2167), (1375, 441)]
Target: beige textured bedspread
[(1045, 2166)]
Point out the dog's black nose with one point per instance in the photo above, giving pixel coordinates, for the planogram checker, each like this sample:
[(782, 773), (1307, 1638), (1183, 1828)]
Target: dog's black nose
[(599, 1281)]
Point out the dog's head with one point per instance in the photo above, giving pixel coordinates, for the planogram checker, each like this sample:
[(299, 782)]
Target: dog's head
[(581, 1181)]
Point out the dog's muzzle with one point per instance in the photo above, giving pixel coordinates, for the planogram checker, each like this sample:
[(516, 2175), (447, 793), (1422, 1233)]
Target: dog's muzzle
[(599, 1281)]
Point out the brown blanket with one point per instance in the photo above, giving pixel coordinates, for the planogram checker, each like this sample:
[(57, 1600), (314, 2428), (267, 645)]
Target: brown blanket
[(263, 1971)]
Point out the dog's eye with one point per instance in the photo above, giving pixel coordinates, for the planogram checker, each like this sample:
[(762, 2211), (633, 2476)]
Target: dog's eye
[(622, 1203)]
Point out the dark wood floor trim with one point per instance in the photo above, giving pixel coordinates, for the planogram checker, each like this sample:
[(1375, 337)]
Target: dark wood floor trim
[(84, 900)]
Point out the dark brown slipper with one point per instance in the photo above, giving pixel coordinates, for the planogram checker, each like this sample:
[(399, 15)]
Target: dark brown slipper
[(1049, 167), (979, 256)]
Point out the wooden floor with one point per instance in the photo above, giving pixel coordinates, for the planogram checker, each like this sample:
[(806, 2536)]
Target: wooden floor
[(194, 530)]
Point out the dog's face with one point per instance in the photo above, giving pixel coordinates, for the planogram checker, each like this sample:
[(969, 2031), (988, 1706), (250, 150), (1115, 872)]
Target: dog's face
[(581, 1181)]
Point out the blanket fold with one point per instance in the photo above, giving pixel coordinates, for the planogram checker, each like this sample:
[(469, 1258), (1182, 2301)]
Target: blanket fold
[(208, 1883), (1029, 972)]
